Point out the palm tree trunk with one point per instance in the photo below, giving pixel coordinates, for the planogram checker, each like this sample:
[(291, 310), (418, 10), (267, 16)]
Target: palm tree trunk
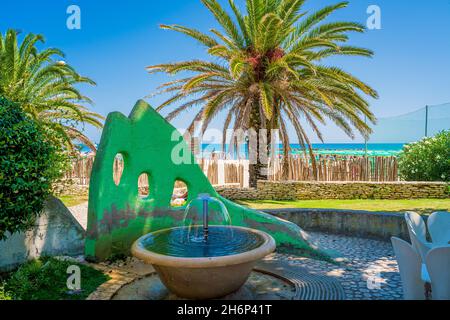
[(257, 169)]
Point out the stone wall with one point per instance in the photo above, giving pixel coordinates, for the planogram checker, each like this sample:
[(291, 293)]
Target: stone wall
[(56, 232), (338, 190), (70, 187)]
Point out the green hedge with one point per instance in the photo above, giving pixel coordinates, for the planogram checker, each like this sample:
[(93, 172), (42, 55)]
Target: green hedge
[(427, 160), (28, 166)]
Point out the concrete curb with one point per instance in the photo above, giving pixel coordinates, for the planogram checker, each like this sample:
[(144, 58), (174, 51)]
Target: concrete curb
[(363, 224)]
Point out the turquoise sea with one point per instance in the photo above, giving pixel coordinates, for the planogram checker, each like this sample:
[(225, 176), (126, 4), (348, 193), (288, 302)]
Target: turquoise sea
[(373, 149)]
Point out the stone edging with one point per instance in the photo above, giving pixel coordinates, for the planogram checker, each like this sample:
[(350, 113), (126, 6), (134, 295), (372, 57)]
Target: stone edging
[(371, 225), (119, 278)]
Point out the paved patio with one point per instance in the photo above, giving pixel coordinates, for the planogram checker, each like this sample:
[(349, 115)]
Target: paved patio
[(368, 271), (367, 268)]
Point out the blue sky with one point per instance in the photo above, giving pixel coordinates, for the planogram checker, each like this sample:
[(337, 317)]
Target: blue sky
[(117, 40)]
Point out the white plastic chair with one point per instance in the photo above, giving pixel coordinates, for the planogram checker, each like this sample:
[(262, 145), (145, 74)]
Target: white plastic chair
[(418, 233), (439, 227), (411, 269), (438, 265)]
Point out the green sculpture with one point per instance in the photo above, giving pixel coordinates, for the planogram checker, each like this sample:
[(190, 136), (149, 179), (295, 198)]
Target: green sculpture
[(118, 215)]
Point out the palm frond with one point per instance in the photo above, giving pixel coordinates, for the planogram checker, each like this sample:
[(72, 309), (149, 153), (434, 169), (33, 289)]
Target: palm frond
[(46, 90), (195, 34)]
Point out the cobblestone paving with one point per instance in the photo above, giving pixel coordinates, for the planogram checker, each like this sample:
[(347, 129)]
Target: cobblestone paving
[(369, 270)]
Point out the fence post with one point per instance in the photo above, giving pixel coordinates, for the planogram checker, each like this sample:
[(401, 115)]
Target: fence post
[(221, 172), (246, 182)]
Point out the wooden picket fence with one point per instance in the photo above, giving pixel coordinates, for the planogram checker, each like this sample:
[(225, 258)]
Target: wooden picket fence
[(300, 168)]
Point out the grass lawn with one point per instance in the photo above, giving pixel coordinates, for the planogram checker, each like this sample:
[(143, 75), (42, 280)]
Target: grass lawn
[(73, 200), (425, 206)]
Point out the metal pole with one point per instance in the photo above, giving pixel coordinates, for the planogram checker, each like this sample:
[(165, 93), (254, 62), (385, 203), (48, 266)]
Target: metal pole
[(205, 219), (367, 178), (426, 121), (365, 138)]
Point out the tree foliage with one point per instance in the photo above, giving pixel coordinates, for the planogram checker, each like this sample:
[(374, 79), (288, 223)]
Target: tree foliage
[(29, 164), (268, 68), (45, 87)]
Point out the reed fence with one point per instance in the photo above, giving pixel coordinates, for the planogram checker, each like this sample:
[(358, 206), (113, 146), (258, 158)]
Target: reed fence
[(299, 168)]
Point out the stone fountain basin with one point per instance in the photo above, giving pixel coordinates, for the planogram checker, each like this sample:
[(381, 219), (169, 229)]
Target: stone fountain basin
[(205, 278)]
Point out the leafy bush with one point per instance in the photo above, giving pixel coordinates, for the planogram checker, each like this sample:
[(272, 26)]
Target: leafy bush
[(4, 295), (29, 163), (46, 279), (427, 160)]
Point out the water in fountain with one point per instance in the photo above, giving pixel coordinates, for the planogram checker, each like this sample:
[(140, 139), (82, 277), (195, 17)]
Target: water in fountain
[(203, 212), (206, 231)]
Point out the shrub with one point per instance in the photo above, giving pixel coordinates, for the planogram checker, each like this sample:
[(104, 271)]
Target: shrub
[(426, 160), (46, 279), (29, 164), (4, 295)]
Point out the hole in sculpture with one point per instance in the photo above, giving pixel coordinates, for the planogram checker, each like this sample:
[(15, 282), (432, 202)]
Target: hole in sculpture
[(143, 186), (118, 167), (179, 194)]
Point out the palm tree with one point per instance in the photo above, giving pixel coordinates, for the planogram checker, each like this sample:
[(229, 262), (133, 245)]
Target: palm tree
[(45, 87), (268, 68)]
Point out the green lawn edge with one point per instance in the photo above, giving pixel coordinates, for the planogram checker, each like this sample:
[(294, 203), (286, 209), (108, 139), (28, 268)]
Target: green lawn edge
[(423, 206)]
